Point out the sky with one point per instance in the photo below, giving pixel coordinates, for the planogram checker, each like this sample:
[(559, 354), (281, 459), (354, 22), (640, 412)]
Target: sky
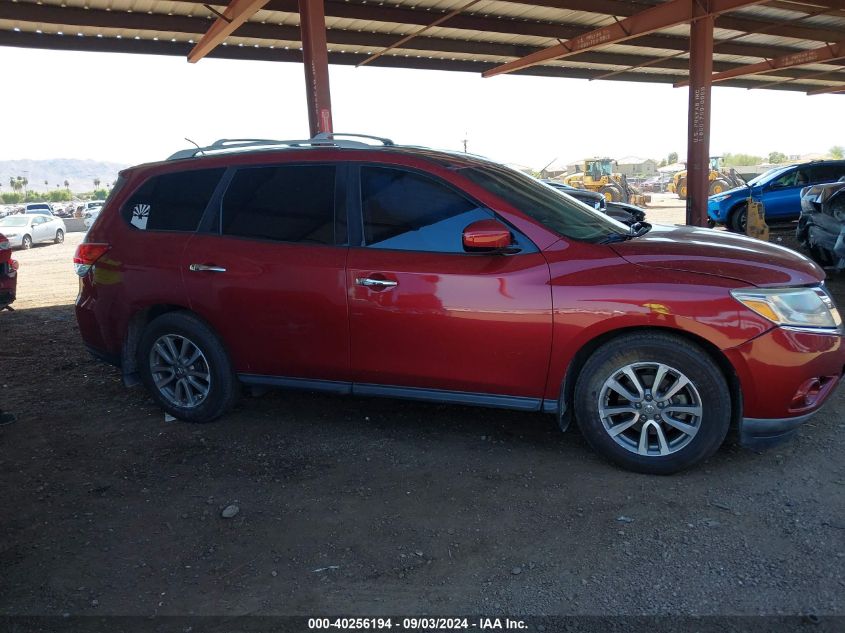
[(139, 108)]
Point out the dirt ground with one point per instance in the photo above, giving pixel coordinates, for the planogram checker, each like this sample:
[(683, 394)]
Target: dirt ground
[(368, 506)]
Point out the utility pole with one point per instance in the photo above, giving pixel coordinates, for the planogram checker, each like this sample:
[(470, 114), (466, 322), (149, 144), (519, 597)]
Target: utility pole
[(465, 141)]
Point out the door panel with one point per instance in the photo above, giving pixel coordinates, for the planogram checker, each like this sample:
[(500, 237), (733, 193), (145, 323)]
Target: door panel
[(478, 323), (280, 308)]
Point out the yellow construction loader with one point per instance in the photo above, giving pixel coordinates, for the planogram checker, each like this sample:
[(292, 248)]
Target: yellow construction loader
[(597, 175), (720, 179)]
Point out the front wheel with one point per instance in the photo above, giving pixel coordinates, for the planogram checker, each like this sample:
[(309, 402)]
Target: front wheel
[(738, 222), (60, 236), (652, 403), (719, 186), (26, 242), (682, 189), (611, 193), (186, 368)]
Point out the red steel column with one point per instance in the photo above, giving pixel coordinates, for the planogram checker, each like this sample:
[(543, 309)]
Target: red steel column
[(315, 54), (698, 138)]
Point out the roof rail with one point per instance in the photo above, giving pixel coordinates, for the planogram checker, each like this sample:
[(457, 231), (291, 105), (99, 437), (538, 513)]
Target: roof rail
[(324, 139)]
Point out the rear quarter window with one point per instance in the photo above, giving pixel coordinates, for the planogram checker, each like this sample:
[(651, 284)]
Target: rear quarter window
[(171, 202)]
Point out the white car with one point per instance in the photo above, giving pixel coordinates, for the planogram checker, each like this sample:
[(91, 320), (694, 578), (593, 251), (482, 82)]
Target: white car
[(91, 211), (25, 230)]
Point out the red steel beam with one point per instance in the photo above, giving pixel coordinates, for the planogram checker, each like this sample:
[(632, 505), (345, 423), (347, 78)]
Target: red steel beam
[(827, 90), (238, 12), (698, 140), (671, 13), (315, 54), (830, 52)]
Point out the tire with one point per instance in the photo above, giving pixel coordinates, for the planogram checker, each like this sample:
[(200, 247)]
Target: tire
[(706, 398), (822, 256), (611, 193), (738, 220), (211, 371), (719, 186), (682, 189), (26, 242), (60, 236)]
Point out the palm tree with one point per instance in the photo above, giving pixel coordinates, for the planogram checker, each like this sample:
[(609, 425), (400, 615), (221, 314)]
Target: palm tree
[(96, 183), (67, 185)]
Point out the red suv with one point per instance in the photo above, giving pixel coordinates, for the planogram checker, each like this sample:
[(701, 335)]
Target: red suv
[(341, 266)]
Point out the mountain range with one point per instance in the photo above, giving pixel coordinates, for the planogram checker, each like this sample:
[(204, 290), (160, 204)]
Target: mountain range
[(80, 174)]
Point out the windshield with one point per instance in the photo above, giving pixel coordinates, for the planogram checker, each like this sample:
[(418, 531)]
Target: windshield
[(14, 221), (552, 208)]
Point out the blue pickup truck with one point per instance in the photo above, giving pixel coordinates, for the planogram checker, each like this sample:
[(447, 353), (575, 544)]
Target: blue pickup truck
[(779, 190)]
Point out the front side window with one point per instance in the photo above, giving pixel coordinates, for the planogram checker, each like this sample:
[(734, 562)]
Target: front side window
[(403, 210), (172, 202), (282, 203), (562, 214)]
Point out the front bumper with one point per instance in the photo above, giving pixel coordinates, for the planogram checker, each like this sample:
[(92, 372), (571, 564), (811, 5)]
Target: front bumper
[(774, 369), (762, 433)]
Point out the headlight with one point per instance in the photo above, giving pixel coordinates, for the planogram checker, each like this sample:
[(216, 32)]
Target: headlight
[(792, 307), (721, 196)]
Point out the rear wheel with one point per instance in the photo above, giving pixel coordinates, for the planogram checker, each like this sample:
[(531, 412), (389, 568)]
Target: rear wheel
[(718, 186), (653, 403), (60, 236), (738, 222), (186, 368), (682, 189)]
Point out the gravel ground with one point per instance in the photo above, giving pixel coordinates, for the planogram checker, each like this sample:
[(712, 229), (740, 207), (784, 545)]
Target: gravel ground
[(366, 506)]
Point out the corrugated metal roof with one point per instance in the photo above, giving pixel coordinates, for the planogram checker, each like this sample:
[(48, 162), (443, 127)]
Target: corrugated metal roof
[(489, 33)]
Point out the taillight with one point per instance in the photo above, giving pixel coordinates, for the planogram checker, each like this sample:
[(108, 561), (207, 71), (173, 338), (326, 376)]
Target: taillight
[(87, 255), (13, 264)]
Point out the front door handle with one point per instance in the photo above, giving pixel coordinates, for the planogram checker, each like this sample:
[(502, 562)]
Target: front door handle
[(206, 268), (378, 284)]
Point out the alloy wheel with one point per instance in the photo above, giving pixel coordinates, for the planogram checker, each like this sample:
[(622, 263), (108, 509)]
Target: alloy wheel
[(650, 409), (180, 371)]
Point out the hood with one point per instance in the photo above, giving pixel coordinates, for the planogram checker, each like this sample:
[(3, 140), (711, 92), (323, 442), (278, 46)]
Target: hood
[(710, 252)]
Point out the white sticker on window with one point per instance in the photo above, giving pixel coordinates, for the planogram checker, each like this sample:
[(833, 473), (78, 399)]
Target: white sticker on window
[(140, 214)]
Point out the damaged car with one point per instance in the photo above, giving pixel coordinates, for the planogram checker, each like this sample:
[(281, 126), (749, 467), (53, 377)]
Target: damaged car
[(821, 225)]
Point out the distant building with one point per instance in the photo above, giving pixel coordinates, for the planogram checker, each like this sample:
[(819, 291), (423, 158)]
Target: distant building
[(636, 167)]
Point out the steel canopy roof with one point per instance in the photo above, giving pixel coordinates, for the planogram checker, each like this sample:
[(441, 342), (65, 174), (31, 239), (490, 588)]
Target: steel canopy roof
[(487, 34)]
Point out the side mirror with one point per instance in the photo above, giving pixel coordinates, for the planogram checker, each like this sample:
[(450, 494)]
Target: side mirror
[(486, 236)]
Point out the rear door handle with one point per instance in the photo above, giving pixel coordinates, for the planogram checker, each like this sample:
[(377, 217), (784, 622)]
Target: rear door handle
[(206, 268), (376, 283)]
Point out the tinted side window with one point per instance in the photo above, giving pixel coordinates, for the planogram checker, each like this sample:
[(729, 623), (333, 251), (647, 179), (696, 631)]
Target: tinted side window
[(827, 173), (285, 203), (172, 202), (407, 211)]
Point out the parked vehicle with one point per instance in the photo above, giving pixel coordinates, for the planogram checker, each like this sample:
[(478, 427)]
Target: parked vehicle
[(90, 216), (591, 198), (597, 174), (821, 225), (8, 273), (23, 231), (341, 266), (778, 189), (624, 212), (720, 179), (38, 207)]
